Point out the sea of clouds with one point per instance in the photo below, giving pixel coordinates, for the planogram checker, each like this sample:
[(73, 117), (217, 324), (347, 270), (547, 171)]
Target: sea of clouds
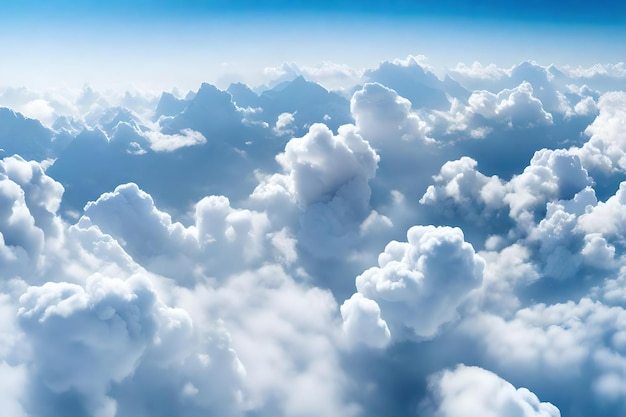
[(387, 242)]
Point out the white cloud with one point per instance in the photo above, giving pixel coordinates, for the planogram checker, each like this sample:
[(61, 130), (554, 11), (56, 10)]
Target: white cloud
[(468, 391), (284, 121), (326, 176), (89, 339), (421, 283), (160, 142), (362, 322), (551, 175), (606, 148), (227, 304), (383, 116)]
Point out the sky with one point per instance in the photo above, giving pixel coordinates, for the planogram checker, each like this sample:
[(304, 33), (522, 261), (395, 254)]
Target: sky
[(260, 209), (184, 43)]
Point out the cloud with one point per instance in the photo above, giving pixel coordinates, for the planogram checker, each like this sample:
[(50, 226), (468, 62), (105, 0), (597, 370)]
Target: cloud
[(221, 240), (330, 75), (605, 150), (551, 175), (293, 252), (89, 339), (362, 322), (383, 116), (286, 335), (168, 143), (284, 121), (471, 391), (326, 176), (460, 184), (420, 283), (412, 78)]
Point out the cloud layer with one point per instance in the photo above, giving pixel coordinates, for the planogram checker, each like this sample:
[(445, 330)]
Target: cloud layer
[(409, 244)]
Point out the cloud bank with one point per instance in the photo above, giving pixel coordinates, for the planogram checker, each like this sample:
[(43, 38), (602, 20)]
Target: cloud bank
[(403, 244)]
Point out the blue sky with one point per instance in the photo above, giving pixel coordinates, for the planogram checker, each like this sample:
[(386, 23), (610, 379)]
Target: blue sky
[(187, 42), (577, 11)]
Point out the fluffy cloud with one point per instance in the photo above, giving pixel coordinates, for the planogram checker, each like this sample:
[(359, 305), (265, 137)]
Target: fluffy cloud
[(471, 391), (222, 239), (187, 137), (516, 107), (513, 108), (419, 283), (551, 175), (606, 217), (461, 185), (606, 148), (320, 163), (362, 322), (326, 176), (383, 116), (89, 339), (286, 334)]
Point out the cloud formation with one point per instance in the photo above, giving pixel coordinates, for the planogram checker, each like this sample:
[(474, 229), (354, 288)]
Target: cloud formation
[(293, 251)]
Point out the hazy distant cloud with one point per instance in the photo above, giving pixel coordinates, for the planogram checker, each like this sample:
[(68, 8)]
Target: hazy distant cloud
[(477, 73), (283, 123), (160, 142), (615, 70), (330, 75)]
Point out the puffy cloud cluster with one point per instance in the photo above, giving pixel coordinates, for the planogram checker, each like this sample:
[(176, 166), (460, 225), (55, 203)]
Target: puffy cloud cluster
[(112, 331), (551, 175), (471, 391), (383, 116), (326, 176), (221, 240), (418, 284), (577, 344), (516, 107), (513, 108), (606, 148), (213, 234), (29, 200)]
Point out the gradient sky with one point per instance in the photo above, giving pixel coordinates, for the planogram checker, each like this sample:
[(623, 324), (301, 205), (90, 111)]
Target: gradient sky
[(110, 44)]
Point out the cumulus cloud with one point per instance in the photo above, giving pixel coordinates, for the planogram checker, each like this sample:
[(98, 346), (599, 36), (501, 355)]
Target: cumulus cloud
[(513, 108), (362, 322), (88, 339), (326, 176), (383, 116), (605, 149), (551, 175), (419, 283), (221, 240), (473, 391)]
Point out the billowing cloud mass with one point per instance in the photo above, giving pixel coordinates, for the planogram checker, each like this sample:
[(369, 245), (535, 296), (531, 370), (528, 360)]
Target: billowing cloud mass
[(405, 244), (472, 391), (420, 283)]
